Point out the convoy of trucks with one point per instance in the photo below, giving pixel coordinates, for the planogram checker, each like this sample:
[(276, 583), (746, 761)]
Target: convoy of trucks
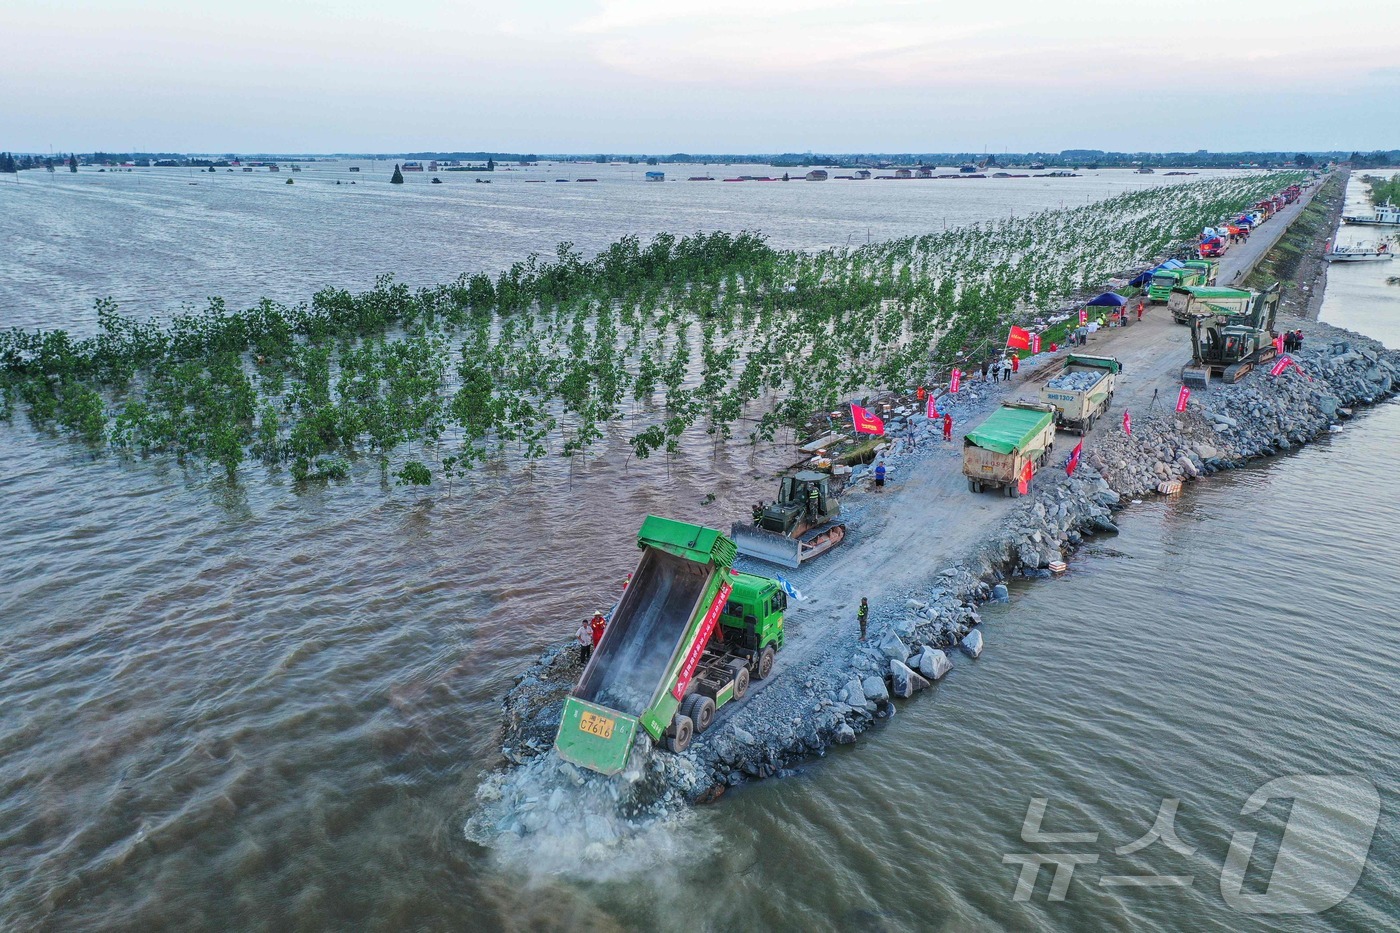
[(995, 453), (1081, 391), (684, 640)]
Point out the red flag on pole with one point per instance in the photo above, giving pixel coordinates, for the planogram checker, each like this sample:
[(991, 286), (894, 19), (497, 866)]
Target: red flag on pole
[(1127, 422), (955, 381), (1073, 463), (865, 422), (1023, 485), (1019, 338), (1181, 398), (1035, 343)]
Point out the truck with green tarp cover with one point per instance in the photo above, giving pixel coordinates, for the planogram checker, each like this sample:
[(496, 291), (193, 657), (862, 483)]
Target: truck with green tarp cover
[(685, 639), (1164, 280), (1203, 301), (996, 452), (1081, 390)]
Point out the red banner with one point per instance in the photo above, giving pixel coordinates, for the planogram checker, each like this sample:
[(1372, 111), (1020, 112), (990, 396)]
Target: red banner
[(702, 638), (1023, 486), (955, 381), (1073, 463), (1181, 398), (1280, 364), (1127, 422), (931, 411), (1035, 343), (865, 422), (1019, 338), (1083, 316)]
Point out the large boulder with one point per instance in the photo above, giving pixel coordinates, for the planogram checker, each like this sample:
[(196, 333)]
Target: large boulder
[(874, 690), (903, 681), (891, 647), (972, 643), (932, 663)]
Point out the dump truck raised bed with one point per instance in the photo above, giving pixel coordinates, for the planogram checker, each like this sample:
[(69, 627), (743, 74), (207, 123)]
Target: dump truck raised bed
[(1081, 390), (1203, 301), (996, 452), (802, 523), (684, 640)]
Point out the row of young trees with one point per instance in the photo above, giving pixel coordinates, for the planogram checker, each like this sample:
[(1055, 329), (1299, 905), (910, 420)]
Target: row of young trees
[(649, 338)]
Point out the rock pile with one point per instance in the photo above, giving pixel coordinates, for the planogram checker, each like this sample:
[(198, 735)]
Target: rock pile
[(1075, 381)]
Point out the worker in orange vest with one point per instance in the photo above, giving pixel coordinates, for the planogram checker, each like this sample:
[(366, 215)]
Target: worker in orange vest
[(597, 624), (947, 426), (1015, 362)]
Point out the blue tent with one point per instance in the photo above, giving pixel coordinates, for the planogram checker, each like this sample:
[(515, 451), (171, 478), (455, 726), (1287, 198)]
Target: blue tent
[(1108, 300), (1141, 279)]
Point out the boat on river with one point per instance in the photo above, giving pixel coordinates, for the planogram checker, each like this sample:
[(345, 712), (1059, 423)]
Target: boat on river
[(1362, 252), (1385, 215)]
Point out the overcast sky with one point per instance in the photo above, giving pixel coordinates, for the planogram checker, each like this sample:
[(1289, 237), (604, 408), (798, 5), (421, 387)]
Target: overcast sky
[(711, 76)]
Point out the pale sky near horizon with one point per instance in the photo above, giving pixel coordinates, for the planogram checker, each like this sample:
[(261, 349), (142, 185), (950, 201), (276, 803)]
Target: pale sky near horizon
[(716, 76)]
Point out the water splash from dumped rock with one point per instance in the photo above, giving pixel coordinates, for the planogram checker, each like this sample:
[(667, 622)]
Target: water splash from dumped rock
[(550, 817)]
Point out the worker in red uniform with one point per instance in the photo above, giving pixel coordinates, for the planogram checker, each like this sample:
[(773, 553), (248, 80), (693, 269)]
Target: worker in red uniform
[(920, 394), (1140, 307), (947, 426), (1015, 363), (597, 624)]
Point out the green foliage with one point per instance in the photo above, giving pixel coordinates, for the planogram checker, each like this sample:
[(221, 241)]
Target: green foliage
[(397, 177), (1384, 190), (705, 331), (414, 473)]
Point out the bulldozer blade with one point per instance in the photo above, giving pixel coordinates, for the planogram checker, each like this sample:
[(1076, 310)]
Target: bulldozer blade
[(766, 545)]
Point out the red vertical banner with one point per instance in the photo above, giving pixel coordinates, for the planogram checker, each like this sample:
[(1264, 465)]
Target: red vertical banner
[(1127, 422), (1023, 485), (931, 410), (955, 380), (1083, 315), (1181, 398), (702, 638), (1035, 343)]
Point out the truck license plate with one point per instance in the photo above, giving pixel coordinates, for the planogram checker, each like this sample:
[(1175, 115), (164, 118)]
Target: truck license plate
[(597, 725)]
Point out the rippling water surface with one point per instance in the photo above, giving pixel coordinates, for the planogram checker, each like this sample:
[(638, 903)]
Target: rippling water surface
[(253, 707)]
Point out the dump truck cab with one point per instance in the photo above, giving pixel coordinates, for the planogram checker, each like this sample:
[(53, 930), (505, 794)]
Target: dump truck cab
[(753, 617)]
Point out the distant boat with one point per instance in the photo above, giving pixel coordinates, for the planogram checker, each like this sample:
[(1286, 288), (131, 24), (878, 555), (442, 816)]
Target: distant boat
[(585, 179), (249, 168), (656, 176), (1146, 170), (437, 181), (967, 168), (1386, 215), (273, 168), (1037, 166), (483, 181), (1361, 253), (701, 178), (412, 167)]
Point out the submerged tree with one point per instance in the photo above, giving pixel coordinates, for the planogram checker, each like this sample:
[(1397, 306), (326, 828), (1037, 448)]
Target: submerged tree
[(73, 162), (398, 176)]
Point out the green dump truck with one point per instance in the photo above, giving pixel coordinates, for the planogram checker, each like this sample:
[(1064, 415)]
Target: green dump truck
[(684, 640), (1164, 280), (1210, 268), (1202, 301), (1081, 390), (996, 452)]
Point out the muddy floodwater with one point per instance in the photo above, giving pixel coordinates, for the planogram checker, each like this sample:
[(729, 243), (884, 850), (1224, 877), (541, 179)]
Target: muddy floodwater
[(258, 707)]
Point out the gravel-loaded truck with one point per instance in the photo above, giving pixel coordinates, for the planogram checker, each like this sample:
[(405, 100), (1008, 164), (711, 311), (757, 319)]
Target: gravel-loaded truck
[(684, 640), (995, 453), (1081, 390), (1204, 301)]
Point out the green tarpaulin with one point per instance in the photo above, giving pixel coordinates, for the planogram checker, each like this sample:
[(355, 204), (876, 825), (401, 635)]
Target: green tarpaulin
[(1009, 429)]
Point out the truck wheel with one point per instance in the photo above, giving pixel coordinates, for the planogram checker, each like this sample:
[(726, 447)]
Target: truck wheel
[(974, 486), (740, 672), (765, 663), (700, 709), (1013, 491), (682, 731)]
